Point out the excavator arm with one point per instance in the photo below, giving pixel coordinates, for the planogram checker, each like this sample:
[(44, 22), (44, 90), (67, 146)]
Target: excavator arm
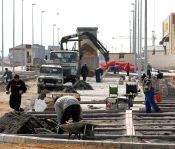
[(92, 38)]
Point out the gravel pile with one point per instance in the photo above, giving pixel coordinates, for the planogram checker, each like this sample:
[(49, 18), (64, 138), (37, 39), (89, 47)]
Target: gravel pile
[(19, 123), (69, 89)]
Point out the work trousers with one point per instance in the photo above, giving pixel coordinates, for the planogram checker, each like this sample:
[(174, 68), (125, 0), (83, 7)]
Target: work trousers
[(149, 73), (84, 77), (151, 103), (15, 102), (73, 111)]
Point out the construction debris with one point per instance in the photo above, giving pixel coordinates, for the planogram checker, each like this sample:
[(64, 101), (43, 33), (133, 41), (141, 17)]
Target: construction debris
[(82, 85)]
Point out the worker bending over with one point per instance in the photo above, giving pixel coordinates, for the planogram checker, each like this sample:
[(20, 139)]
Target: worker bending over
[(67, 107)]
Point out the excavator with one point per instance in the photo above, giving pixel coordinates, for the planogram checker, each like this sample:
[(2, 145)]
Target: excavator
[(70, 59), (91, 37)]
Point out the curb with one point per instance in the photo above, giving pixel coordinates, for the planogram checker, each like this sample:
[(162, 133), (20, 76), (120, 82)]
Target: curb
[(6, 138)]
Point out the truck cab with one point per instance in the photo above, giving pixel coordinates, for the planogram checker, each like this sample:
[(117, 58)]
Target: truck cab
[(50, 76), (69, 60)]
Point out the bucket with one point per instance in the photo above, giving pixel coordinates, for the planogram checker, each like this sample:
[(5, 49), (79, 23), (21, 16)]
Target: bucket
[(111, 103), (158, 98)]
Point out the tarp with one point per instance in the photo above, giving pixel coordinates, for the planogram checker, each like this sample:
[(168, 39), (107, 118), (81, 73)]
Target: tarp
[(120, 65)]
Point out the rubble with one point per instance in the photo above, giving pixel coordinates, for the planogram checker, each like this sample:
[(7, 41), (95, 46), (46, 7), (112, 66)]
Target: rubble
[(82, 85)]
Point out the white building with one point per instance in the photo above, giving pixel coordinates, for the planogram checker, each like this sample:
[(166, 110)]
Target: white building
[(25, 54)]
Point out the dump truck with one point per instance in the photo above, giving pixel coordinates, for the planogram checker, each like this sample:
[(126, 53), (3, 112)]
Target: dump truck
[(70, 59)]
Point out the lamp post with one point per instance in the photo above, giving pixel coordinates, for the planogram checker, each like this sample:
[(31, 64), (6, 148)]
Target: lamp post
[(145, 50), (133, 32), (2, 35), (53, 32), (13, 53), (42, 27), (32, 25), (58, 30), (130, 32), (22, 42)]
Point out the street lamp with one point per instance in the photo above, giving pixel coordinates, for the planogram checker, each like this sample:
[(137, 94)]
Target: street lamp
[(42, 27), (32, 25), (130, 32), (53, 32), (13, 53), (145, 50), (58, 29), (24, 59), (2, 36)]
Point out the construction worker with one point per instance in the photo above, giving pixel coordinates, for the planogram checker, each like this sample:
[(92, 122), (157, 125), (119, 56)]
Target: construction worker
[(17, 87), (127, 68), (150, 100), (149, 69), (84, 72), (67, 107), (8, 75)]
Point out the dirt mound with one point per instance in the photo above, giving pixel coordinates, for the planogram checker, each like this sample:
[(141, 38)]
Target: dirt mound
[(19, 123), (69, 89), (82, 85)]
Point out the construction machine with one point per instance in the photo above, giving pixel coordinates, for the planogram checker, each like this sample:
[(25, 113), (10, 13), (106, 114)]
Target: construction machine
[(70, 59)]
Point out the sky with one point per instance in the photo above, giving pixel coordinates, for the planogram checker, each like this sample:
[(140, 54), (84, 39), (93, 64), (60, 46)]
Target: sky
[(110, 16)]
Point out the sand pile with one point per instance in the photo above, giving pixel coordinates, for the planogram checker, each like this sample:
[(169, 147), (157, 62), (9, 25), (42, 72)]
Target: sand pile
[(69, 89), (19, 123)]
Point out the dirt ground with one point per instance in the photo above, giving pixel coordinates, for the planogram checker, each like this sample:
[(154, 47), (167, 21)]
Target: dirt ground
[(51, 146), (27, 98), (27, 103)]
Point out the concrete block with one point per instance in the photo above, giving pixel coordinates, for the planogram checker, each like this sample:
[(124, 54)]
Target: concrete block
[(28, 139), (9, 139), (131, 146), (171, 146), (2, 137), (155, 146), (47, 140), (18, 139)]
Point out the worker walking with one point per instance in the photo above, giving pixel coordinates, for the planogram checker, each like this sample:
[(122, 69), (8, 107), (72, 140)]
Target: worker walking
[(67, 107), (150, 100), (8, 75), (17, 88), (84, 71)]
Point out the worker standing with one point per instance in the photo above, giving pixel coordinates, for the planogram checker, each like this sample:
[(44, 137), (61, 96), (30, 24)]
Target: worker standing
[(127, 68), (67, 107), (84, 71), (17, 87), (8, 75), (149, 69), (150, 100)]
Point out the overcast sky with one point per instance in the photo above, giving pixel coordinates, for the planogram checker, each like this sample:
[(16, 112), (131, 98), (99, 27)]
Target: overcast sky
[(110, 16)]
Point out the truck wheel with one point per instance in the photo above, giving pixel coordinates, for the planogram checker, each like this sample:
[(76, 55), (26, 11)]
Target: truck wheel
[(39, 90)]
